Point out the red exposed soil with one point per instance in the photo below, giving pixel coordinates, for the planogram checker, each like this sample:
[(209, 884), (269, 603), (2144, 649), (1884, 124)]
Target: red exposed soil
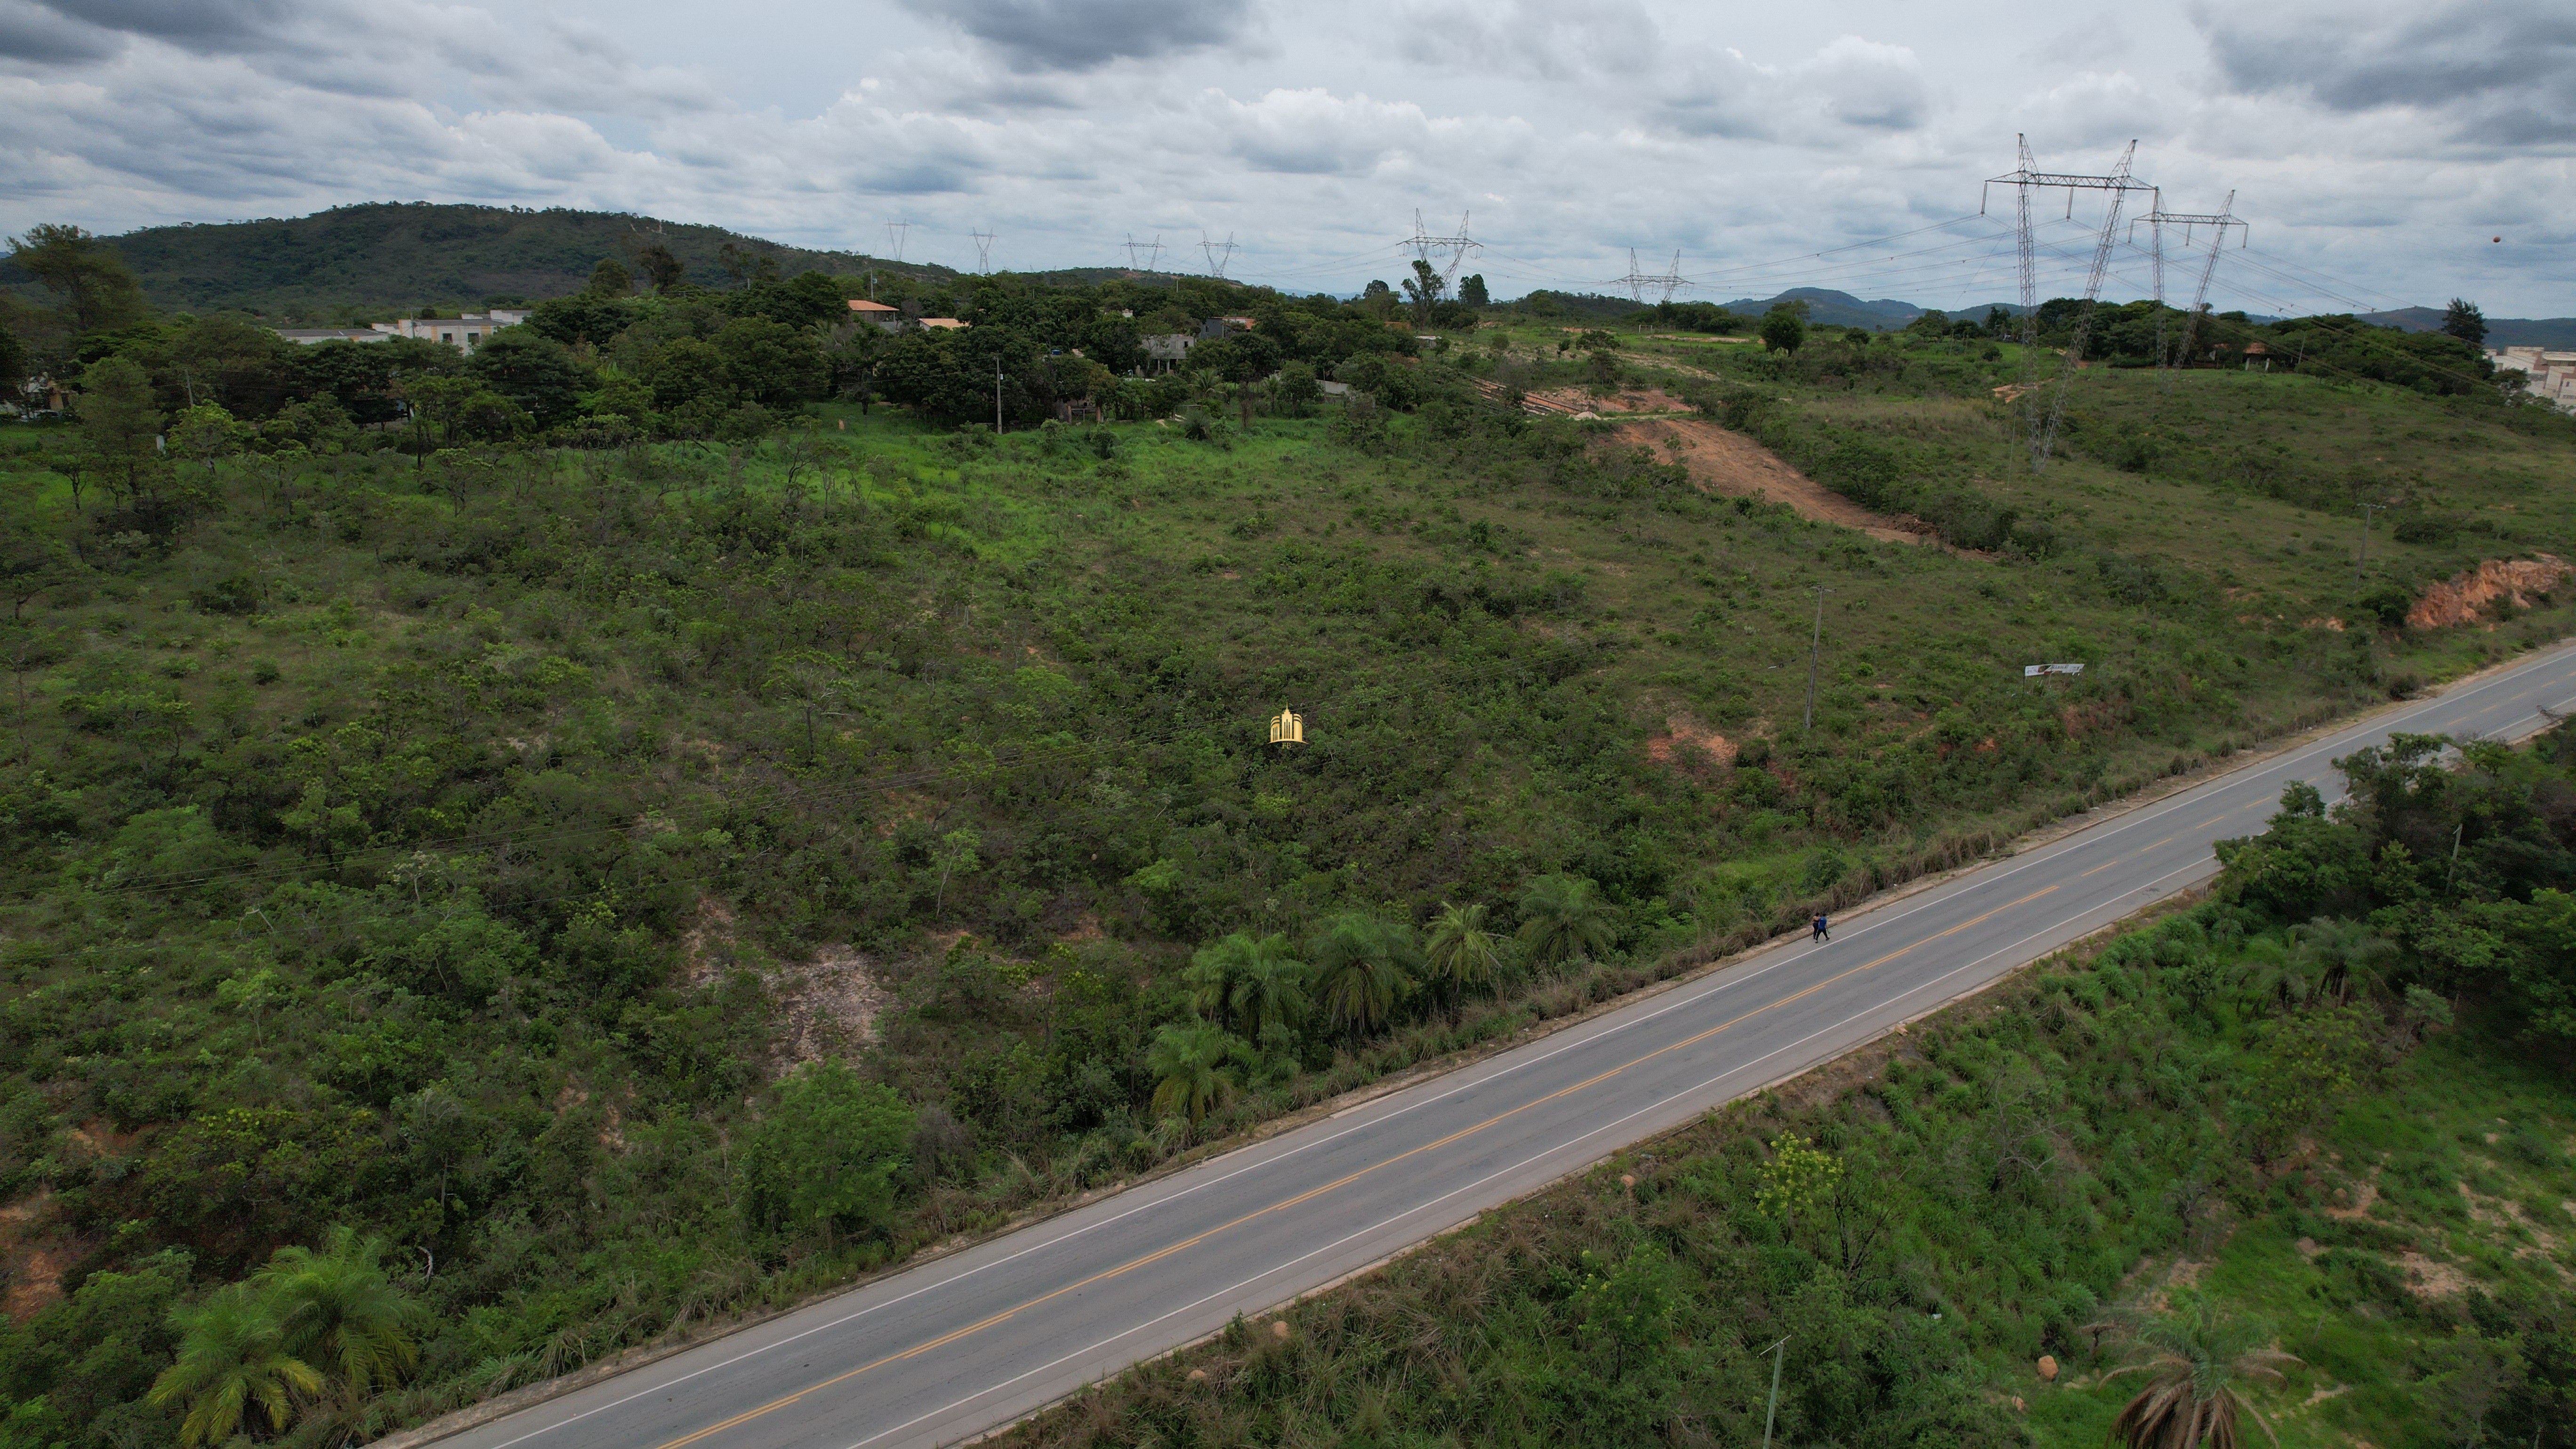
[(2466, 599), (35, 1263), (1737, 466), (1688, 745)]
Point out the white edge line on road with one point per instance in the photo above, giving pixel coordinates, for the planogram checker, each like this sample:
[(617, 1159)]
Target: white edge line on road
[(1721, 982), (1524, 1163)]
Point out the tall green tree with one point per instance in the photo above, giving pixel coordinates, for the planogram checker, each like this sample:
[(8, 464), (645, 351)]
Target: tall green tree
[(1462, 949), (120, 425), (1423, 290), (1783, 331), (2463, 320), (206, 433), (772, 363), (340, 1314), (1564, 918), (1363, 969), (234, 1369), (2200, 1364), (532, 370), (661, 267), (828, 1155), (1254, 981), (1188, 1064), (97, 289), (15, 365)]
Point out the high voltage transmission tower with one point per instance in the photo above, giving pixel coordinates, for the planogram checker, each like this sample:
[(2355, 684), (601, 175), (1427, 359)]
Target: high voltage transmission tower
[(1152, 251), (2026, 181), (2218, 221), (983, 251), (1672, 280), (1457, 247), (896, 231), (1219, 254), (1639, 281)]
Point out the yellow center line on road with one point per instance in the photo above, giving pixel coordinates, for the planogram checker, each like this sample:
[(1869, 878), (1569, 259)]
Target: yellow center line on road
[(2097, 870), (1103, 1276), (2212, 820), (2168, 840)]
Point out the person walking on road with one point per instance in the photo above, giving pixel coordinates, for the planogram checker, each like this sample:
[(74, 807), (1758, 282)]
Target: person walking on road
[(1824, 929)]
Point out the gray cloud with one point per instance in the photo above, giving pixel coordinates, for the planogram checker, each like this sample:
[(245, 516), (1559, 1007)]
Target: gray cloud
[(2484, 63), (33, 34), (1864, 83), (1044, 35), (204, 26), (1532, 38), (1738, 133)]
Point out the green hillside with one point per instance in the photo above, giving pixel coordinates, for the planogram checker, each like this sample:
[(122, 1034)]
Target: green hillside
[(2310, 1137), (383, 257), (529, 810)]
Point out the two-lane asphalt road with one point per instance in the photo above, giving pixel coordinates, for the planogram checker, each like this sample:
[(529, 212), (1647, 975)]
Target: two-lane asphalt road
[(958, 1345)]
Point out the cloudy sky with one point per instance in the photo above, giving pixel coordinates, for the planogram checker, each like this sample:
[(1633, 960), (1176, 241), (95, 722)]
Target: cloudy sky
[(2378, 149)]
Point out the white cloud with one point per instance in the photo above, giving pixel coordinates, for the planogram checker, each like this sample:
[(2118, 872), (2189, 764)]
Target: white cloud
[(2367, 140), (1865, 83)]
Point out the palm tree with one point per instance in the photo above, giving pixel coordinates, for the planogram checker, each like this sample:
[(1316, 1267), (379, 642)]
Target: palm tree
[(2347, 954), (1255, 980), (1271, 988), (2274, 970), (1460, 950), (232, 1360), (1563, 917), (1213, 971), (2197, 1360), (1363, 967), (338, 1311), (1188, 1063)]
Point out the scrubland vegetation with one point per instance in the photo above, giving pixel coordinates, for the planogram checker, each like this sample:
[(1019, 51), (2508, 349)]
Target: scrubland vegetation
[(628, 828), (2250, 1161)]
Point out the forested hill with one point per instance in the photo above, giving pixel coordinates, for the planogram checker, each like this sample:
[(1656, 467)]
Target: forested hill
[(382, 256)]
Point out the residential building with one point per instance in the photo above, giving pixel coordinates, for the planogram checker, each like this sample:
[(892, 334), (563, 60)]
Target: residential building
[(2551, 372), (464, 333), (885, 318), (38, 394), (1166, 352), (945, 324), (307, 336)]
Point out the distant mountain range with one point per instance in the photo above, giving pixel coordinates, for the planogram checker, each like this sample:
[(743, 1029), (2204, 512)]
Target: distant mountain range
[(385, 256), (402, 255), (2550, 332), (1842, 309)]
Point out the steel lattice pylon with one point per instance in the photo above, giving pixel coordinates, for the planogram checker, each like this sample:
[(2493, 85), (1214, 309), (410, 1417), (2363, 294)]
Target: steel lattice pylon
[(2026, 179)]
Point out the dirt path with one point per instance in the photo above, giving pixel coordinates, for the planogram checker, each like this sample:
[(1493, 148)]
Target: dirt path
[(1737, 466), (1632, 400)]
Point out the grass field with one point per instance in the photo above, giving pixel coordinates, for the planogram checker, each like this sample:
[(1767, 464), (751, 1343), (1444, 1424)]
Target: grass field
[(517, 820), (2031, 1174)]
